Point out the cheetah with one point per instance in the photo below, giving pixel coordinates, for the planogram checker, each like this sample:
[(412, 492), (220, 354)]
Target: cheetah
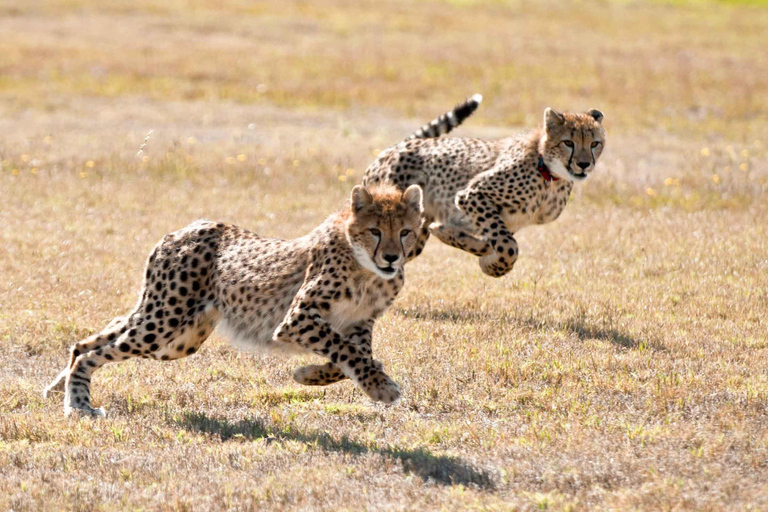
[(479, 193), (318, 294)]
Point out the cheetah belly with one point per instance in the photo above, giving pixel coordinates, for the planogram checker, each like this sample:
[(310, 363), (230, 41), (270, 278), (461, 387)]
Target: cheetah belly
[(253, 332)]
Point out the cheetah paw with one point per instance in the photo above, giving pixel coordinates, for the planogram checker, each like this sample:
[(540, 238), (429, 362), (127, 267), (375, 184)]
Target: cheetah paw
[(85, 413), (317, 375), (380, 388), (490, 265)]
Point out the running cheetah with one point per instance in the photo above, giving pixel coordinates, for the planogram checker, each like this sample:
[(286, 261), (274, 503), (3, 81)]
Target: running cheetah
[(479, 193), (319, 293)]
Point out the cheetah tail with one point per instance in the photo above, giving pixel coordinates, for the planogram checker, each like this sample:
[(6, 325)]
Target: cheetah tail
[(448, 121)]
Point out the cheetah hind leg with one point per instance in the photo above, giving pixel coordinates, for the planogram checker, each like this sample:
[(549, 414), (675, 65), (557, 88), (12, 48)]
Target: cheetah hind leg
[(318, 374), (97, 340)]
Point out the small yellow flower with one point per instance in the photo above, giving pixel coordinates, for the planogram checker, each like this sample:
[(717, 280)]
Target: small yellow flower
[(145, 159), (241, 157), (230, 160), (83, 175), (90, 164), (375, 151), (350, 172), (650, 191), (33, 170), (342, 178), (15, 172), (669, 181), (191, 140), (25, 158), (716, 178), (262, 161), (744, 153), (744, 166), (296, 163), (705, 152)]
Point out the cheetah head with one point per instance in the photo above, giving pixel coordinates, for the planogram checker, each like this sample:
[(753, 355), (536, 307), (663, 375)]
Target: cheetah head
[(382, 227), (572, 142)]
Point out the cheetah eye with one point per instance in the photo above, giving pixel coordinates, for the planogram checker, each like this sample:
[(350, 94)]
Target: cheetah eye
[(405, 232), (595, 144), (375, 232), (568, 143)]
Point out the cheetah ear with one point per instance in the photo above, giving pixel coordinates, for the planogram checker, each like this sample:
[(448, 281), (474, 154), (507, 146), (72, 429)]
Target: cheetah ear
[(552, 118), (360, 198), (596, 114), (412, 197)]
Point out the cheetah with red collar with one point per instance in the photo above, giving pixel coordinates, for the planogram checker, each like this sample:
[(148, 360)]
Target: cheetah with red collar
[(319, 294), (479, 193)]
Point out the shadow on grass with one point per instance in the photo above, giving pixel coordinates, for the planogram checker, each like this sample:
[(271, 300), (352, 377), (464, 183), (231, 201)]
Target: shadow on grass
[(447, 315), (442, 469), (578, 326)]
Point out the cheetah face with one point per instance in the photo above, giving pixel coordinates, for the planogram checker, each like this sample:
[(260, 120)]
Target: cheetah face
[(382, 227), (572, 142)]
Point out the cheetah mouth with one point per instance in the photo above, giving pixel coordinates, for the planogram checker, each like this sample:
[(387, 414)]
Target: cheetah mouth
[(387, 270), (578, 176)]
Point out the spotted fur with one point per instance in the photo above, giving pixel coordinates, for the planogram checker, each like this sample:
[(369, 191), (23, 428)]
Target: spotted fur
[(318, 294), (479, 193)]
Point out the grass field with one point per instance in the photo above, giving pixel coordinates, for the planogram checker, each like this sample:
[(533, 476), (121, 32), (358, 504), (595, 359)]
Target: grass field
[(622, 365)]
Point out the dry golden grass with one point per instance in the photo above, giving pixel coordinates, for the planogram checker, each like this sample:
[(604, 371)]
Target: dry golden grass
[(622, 365)]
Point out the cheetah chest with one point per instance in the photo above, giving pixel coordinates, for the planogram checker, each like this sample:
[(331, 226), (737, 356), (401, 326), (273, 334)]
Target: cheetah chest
[(358, 302), (514, 220), (540, 208)]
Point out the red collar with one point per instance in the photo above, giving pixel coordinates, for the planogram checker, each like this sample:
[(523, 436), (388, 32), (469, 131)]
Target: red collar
[(544, 170)]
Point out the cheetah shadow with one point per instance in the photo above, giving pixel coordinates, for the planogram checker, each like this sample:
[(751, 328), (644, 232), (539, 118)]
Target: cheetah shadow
[(440, 469), (577, 326)]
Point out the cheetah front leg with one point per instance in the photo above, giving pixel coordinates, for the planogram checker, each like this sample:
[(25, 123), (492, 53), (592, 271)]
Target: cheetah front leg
[(485, 215), (461, 238), (329, 373), (305, 326)]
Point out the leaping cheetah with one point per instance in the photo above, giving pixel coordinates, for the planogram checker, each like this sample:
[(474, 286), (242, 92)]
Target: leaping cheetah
[(479, 193)]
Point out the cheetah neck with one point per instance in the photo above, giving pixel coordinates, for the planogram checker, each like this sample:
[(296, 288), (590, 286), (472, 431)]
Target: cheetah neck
[(557, 170), (545, 173)]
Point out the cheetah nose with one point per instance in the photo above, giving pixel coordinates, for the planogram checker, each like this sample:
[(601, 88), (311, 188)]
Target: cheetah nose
[(584, 165), (391, 258)]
